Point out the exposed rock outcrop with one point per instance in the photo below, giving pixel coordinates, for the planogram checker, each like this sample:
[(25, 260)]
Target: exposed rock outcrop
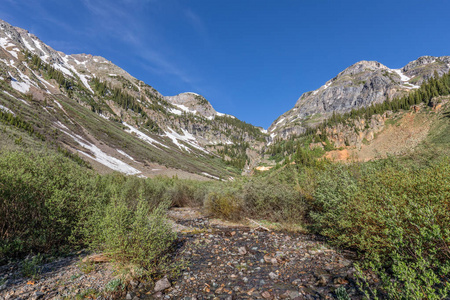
[(360, 85)]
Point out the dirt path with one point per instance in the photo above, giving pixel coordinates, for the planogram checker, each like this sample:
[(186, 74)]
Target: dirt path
[(225, 261)]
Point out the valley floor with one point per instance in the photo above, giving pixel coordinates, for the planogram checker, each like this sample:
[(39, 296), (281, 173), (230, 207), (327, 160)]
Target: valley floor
[(225, 261)]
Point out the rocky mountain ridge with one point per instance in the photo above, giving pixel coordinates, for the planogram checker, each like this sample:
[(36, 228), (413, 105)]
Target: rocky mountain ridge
[(179, 132), (360, 85)]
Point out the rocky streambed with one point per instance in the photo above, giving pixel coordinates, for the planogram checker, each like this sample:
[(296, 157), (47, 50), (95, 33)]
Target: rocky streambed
[(224, 261)]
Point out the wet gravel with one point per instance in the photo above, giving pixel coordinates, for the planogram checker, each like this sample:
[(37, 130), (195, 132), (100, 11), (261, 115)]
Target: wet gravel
[(224, 261), (228, 262)]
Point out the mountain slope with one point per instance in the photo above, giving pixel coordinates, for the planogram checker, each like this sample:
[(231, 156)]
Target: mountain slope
[(360, 85), (90, 106)]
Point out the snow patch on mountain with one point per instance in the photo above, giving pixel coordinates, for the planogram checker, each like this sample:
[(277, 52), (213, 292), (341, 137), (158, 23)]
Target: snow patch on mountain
[(184, 108), (4, 108), (38, 45), (99, 156), (279, 122), (142, 136), (175, 111), (83, 78), (210, 176), (405, 79), (187, 138), (323, 87), (6, 93), (14, 52), (22, 87), (124, 154), (28, 45), (4, 43), (62, 69)]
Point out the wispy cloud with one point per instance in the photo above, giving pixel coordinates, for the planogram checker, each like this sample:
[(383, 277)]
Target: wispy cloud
[(197, 23), (156, 55)]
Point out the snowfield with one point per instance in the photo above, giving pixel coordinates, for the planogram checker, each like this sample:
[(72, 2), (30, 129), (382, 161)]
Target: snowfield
[(100, 156)]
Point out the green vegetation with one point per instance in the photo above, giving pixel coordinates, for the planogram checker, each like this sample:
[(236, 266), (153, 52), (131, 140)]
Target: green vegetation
[(201, 100), (51, 73), (236, 154), (16, 121), (32, 267), (395, 212), (123, 99), (50, 203), (241, 127)]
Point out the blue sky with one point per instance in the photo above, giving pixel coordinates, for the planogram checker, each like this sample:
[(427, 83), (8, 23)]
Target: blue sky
[(249, 58)]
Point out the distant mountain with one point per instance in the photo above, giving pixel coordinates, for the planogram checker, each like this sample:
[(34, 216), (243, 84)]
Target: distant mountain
[(360, 85), (90, 106)]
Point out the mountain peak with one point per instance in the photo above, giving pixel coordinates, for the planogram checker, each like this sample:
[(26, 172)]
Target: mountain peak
[(113, 119), (362, 66), (193, 103), (359, 85)]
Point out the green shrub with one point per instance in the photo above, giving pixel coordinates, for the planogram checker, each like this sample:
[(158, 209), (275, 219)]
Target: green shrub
[(32, 267), (136, 235), (224, 204), (260, 197), (398, 217), (115, 285), (268, 199), (50, 203), (40, 198), (184, 193)]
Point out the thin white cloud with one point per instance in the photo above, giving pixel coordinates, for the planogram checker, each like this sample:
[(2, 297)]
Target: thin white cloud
[(196, 22), (147, 43)]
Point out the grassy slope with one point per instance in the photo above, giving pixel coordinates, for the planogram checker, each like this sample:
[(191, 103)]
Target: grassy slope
[(79, 118)]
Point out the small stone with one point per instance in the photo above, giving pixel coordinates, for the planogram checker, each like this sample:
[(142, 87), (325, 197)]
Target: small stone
[(242, 251), (266, 295), (293, 294), (134, 284), (38, 295), (128, 297), (322, 280), (162, 284), (273, 276), (346, 262), (245, 279), (285, 295)]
